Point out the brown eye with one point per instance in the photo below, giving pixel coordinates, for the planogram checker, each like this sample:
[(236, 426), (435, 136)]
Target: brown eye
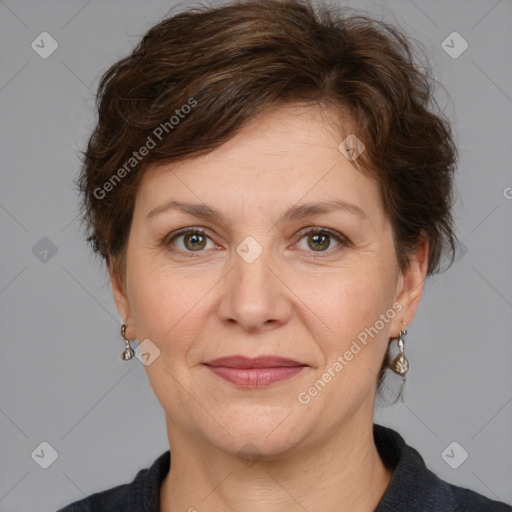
[(192, 240), (319, 241)]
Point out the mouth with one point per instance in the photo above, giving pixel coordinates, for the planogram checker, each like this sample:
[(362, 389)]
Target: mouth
[(247, 372)]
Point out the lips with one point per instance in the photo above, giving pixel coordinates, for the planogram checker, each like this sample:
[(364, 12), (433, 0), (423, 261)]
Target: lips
[(258, 372), (244, 362)]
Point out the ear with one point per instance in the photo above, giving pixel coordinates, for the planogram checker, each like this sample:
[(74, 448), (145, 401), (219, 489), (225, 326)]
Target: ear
[(410, 286), (121, 299)]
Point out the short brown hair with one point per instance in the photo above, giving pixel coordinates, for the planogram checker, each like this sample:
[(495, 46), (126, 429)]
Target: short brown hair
[(230, 63)]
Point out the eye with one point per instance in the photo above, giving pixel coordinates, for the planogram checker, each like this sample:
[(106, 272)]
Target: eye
[(196, 240), (193, 240), (319, 239)]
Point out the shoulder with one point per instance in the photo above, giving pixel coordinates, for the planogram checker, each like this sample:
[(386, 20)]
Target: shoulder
[(467, 500), (142, 494), (448, 497), (114, 499), (415, 488)]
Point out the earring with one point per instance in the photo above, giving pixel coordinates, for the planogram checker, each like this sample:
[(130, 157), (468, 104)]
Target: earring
[(128, 351), (400, 365)]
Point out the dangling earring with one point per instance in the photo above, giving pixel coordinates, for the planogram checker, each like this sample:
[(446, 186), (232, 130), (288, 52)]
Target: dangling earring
[(128, 351), (400, 365)]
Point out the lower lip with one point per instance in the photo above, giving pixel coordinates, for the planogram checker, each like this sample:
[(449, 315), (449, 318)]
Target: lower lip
[(255, 377)]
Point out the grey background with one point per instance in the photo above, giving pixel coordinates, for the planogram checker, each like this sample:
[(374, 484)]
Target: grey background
[(61, 378)]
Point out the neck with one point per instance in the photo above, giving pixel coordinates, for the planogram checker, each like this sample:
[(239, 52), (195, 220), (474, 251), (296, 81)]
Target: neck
[(343, 472)]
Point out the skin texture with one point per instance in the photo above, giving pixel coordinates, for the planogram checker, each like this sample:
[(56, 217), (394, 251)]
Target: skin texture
[(294, 300)]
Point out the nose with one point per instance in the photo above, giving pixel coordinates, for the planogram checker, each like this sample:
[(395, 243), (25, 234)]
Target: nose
[(255, 295)]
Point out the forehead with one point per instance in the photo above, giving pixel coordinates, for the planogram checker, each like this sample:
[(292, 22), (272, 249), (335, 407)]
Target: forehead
[(280, 158)]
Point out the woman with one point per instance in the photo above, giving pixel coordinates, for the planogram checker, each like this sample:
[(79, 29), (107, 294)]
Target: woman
[(269, 188)]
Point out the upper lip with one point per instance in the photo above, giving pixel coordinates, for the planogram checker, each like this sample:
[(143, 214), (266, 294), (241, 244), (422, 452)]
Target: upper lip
[(253, 362)]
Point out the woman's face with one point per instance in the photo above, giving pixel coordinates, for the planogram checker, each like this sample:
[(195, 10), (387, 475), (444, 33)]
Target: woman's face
[(256, 281)]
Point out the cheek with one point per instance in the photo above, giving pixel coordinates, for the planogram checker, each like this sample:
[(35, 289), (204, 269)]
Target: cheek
[(172, 307), (348, 300), (348, 326), (161, 303), (165, 309)]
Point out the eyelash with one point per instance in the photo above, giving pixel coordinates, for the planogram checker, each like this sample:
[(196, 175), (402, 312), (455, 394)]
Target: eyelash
[(344, 242)]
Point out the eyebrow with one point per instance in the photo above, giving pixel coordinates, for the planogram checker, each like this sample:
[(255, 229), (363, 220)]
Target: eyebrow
[(296, 212)]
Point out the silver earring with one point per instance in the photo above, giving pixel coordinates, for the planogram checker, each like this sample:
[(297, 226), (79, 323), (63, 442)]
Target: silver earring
[(128, 352), (400, 365)]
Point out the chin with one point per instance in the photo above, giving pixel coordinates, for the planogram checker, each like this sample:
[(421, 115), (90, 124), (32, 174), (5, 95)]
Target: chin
[(256, 445), (263, 431)]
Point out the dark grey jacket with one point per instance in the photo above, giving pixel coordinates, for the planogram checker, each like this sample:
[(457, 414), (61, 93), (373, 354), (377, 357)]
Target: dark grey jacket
[(413, 488)]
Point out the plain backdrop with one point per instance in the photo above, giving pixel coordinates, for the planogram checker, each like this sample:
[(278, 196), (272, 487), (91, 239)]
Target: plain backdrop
[(62, 381)]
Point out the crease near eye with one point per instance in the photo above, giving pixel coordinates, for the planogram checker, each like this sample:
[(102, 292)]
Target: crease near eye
[(320, 237)]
